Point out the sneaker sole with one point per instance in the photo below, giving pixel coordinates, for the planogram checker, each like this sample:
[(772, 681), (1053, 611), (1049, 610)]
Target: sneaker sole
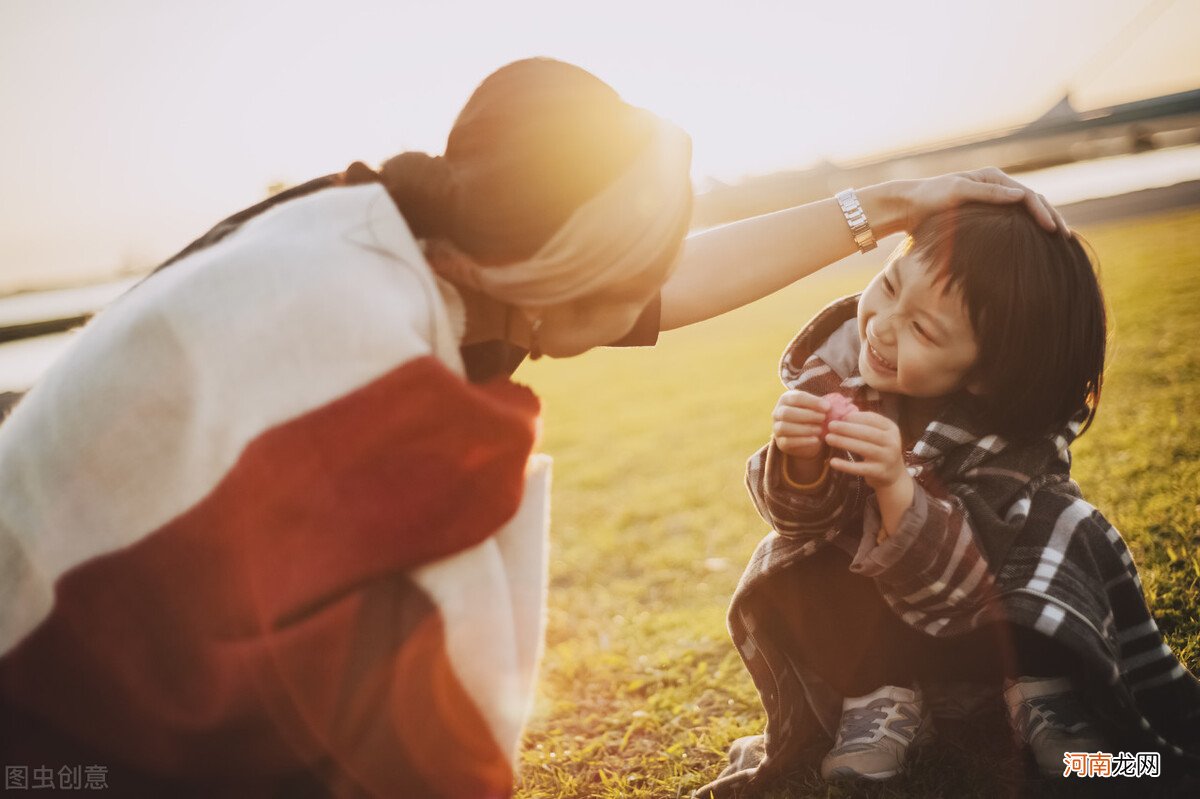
[(848, 774)]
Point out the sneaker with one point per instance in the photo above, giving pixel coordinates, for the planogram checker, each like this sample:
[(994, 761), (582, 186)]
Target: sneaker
[(875, 734), (1048, 717)]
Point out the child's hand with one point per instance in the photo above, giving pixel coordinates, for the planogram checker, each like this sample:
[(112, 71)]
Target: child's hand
[(875, 439), (797, 418)]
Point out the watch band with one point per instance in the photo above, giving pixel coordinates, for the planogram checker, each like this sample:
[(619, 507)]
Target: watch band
[(860, 229)]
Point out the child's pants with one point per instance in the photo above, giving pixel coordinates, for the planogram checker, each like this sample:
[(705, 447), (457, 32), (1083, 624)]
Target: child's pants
[(848, 635)]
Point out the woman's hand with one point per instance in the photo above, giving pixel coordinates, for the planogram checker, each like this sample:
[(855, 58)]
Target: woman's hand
[(904, 204), (797, 418), (725, 267)]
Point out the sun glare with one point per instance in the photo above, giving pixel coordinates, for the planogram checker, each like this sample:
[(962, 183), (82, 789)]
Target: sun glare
[(133, 126)]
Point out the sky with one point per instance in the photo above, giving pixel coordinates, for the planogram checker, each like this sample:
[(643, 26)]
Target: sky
[(130, 126)]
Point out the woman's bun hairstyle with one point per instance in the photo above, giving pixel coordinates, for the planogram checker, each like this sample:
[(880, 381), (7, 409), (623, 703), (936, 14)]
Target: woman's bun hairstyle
[(423, 189)]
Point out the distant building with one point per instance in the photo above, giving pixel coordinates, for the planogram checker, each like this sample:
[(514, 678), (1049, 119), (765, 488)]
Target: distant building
[(1061, 135)]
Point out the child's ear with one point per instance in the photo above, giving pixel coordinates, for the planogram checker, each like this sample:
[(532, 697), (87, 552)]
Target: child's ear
[(976, 388)]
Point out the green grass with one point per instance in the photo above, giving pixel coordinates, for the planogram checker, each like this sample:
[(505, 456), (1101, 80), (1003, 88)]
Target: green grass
[(641, 691)]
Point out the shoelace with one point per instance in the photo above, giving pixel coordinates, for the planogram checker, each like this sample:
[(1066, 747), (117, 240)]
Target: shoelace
[(862, 722), (1060, 711)]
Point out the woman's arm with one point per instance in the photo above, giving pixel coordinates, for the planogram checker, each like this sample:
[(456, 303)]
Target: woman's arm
[(733, 265)]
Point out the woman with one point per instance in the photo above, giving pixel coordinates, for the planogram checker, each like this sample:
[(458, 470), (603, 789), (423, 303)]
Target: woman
[(260, 536)]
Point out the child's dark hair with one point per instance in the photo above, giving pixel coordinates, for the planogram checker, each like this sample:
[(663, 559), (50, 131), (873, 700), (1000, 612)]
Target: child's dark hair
[(1037, 311)]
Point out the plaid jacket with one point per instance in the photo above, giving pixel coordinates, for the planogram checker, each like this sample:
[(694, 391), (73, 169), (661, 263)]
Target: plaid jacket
[(996, 532)]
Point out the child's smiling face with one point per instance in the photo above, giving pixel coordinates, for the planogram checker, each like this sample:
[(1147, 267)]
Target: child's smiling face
[(916, 337)]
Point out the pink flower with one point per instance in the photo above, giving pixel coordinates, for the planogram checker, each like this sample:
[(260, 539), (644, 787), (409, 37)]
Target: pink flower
[(839, 408)]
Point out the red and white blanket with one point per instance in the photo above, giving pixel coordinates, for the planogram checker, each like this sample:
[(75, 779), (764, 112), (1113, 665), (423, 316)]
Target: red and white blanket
[(258, 536)]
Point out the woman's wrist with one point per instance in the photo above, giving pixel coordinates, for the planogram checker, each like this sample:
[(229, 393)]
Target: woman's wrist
[(886, 206)]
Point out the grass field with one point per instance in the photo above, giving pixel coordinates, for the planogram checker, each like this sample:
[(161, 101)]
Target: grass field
[(641, 691)]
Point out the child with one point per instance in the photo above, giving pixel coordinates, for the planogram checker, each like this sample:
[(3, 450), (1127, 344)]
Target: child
[(933, 533)]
